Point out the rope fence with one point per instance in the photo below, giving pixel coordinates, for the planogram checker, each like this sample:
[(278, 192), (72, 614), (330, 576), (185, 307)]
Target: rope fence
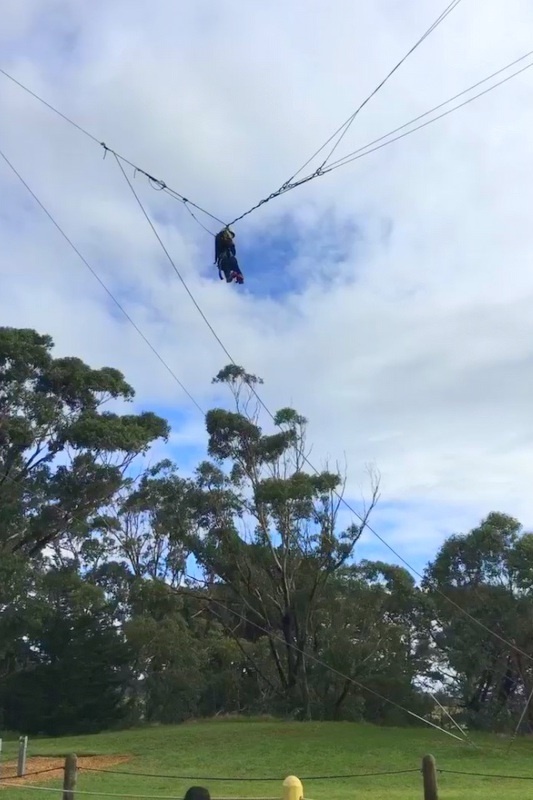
[(241, 779), (28, 774), (290, 789)]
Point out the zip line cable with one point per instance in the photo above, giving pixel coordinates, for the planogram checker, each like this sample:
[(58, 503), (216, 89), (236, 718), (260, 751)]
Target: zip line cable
[(356, 154), (348, 122), (294, 647), (430, 30), (343, 129), (346, 125), (519, 723), (102, 284), (436, 108), (171, 260), (261, 402), (93, 272), (50, 106), (339, 496), (166, 188), (445, 711), (182, 386), (245, 619), (117, 157), (161, 184), (321, 663), (342, 499)]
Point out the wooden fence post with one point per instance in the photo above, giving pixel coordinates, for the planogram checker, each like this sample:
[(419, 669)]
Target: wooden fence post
[(0, 758), (292, 788), (21, 763), (429, 773), (69, 777)]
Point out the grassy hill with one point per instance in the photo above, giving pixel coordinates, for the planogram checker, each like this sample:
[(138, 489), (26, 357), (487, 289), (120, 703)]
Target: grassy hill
[(244, 750)]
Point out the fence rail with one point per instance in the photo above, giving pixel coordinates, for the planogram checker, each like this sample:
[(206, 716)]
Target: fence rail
[(242, 779), (290, 789)]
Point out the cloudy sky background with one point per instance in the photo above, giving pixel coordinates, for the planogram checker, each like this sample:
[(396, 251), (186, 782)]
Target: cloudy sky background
[(390, 302)]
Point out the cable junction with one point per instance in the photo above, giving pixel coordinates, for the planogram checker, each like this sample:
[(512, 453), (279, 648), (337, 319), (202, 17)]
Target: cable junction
[(367, 149)]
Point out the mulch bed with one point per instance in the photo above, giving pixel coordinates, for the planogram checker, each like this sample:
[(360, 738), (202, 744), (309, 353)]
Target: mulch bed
[(50, 768)]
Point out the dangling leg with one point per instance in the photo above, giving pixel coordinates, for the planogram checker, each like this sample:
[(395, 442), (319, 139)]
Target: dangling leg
[(236, 273), (225, 268)]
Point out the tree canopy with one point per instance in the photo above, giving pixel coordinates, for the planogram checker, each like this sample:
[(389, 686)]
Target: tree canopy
[(132, 593)]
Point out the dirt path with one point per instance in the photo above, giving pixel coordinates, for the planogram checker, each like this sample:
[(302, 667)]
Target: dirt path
[(41, 768)]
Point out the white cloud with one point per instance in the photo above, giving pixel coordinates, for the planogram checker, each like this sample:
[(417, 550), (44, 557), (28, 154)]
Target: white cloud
[(416, 353)]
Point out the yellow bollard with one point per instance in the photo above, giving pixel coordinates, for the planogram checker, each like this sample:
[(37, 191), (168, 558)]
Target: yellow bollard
[(292, 788)]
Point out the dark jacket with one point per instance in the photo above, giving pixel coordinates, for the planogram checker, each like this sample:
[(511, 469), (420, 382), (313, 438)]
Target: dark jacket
[(223, 244)]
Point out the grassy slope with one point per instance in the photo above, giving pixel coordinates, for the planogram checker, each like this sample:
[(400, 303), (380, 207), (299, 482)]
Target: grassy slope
[(255, 749)]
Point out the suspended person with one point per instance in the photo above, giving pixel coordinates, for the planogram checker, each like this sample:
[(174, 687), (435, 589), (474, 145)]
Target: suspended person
[(225, 258)]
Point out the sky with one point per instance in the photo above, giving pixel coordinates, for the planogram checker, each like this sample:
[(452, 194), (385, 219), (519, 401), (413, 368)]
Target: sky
[(389, 301)]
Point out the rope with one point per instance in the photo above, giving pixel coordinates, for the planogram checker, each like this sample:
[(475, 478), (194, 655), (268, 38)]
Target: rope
[(339, 496), (487, 775), (28, 774), (347, 159), (346, 125), (519, 723), (172, 263), (91, 136), (195, 218), (247, 780), (103, 285), (179, 777), (161, 184), (75, 792), (287, 186), (463, 773), (435, 108), (447, 713), (310, 657), (321, 663), (263, 405), (342, 499), (51, 107), (356, 154), (380, 774), (448, 10)]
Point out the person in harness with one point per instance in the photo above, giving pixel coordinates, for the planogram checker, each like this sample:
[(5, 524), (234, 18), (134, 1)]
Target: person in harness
[(225, 258)]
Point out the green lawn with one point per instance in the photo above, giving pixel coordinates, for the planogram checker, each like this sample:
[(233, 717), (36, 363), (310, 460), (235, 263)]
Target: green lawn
[(240, 749)]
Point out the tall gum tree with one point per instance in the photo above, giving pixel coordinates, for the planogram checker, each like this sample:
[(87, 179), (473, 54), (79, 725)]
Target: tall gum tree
[(489, 573), (62, 455), (268, 537)]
